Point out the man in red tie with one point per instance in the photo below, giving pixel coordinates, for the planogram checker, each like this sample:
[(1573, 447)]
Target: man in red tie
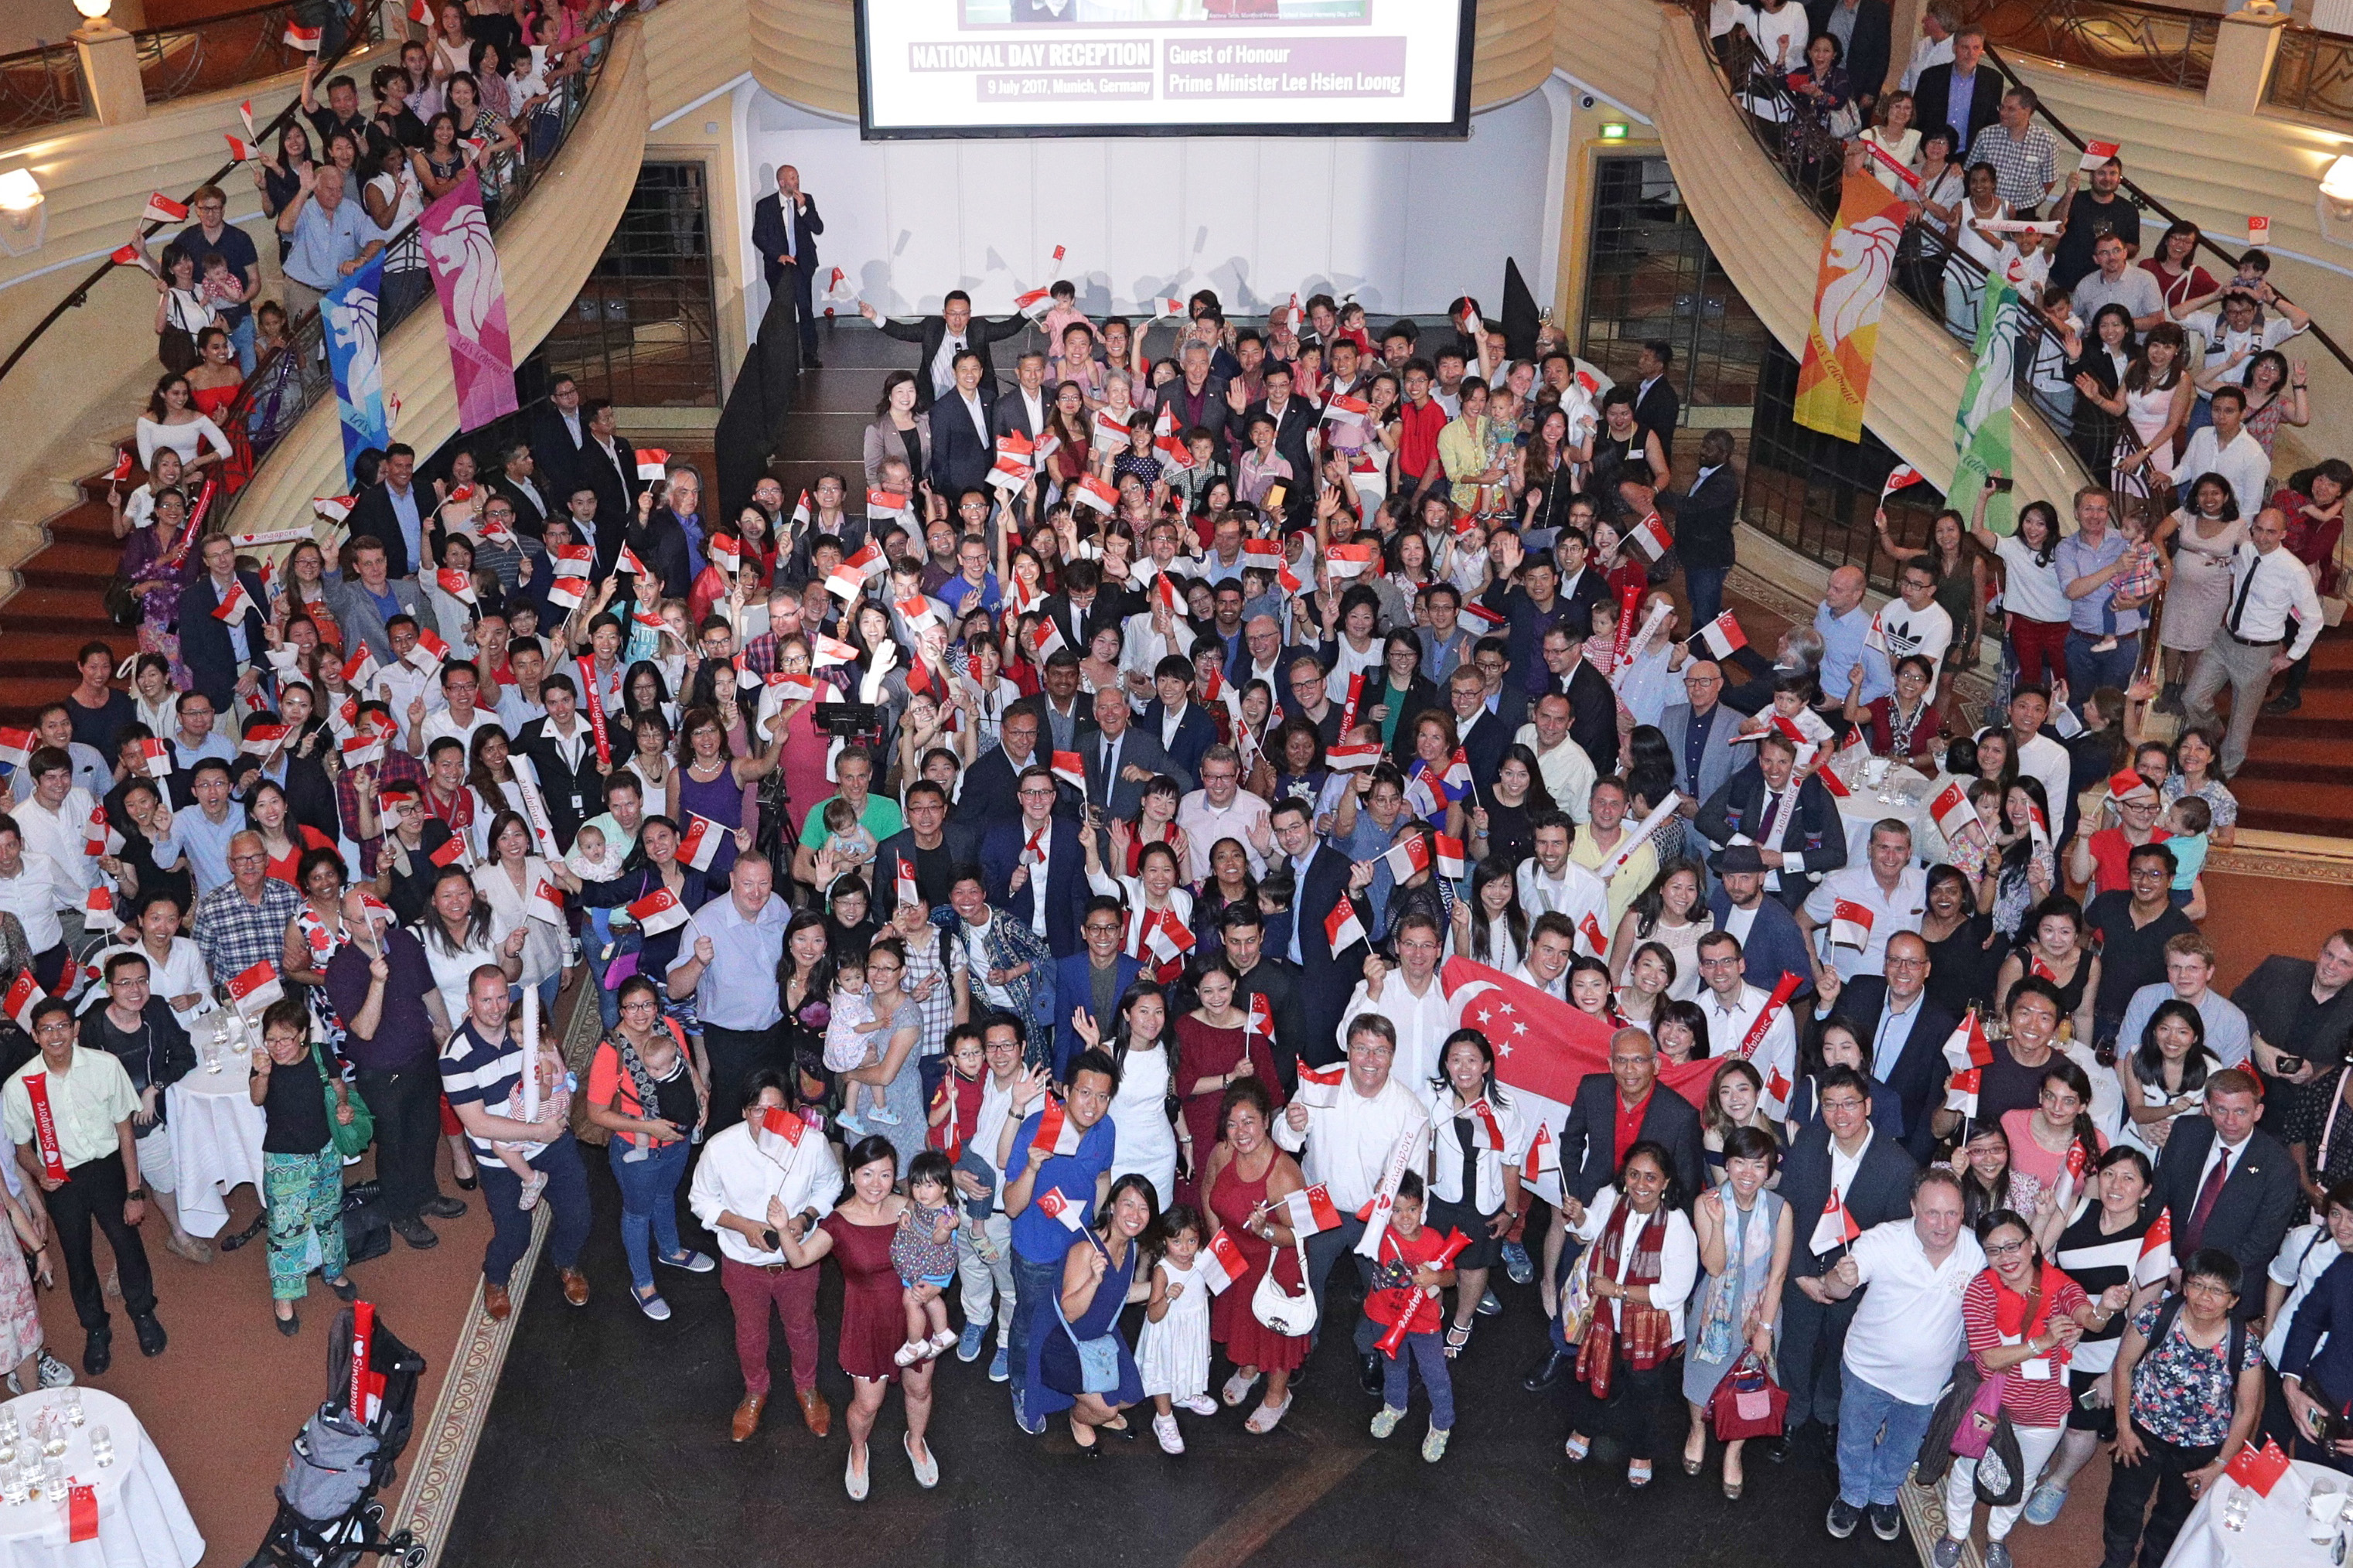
[(2226, 1183)]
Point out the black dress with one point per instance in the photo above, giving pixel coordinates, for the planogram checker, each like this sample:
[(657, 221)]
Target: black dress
[(1961, 968)]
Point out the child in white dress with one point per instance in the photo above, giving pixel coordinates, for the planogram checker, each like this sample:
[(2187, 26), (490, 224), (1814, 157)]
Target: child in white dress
[(1172, 1355)]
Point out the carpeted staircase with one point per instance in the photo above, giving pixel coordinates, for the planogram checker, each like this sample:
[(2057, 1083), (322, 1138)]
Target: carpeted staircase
[(61, 603), (2299, 777)]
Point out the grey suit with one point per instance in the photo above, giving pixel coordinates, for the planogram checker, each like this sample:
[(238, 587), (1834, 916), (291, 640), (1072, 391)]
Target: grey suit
[(1716, 762), (1123, 797), (363, 624)]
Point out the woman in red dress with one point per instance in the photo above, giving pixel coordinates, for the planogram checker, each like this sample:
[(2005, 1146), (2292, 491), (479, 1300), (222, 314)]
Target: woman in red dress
[(1244, 1176), (1215, 1046), (873, 1323), (213, 386)]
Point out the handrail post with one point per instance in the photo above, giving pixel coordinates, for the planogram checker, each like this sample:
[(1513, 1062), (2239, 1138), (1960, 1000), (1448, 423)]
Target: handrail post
[(110, 72), (2244, 49)]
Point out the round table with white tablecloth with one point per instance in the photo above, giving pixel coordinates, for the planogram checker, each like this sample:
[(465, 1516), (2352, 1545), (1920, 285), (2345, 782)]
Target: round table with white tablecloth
[(2275, 1532), (1907, 802), (142, 1520), (216, 1139)]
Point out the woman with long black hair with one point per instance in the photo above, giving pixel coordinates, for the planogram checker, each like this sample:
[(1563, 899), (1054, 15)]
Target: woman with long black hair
[(1144, 1108)]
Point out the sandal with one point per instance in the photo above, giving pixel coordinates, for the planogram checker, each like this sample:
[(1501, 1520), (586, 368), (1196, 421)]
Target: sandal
[(1458, 1337), (1638, 1472), (1578, 1449), (1237, 1388), (1267, 1418)]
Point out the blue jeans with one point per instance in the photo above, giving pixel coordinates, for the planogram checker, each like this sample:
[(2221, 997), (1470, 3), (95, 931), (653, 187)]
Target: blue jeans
[(648, 1202), (240, 339), (1397, 1377), (593, 938), (1034, 1284), (1872, 1465), (1703, 586), (2087, 671)]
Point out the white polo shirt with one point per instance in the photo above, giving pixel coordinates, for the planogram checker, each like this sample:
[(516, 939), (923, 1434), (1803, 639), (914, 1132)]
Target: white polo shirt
[(1891, 913), (1906, 1331)]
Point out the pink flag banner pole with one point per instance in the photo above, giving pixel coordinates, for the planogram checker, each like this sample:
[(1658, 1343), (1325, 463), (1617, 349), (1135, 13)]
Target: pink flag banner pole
[(465, 266)]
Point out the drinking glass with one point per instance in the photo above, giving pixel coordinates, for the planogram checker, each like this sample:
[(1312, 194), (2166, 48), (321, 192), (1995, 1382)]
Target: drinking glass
[(101, 1445), (73, 1406)]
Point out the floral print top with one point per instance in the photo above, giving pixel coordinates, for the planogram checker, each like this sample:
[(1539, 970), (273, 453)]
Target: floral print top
[(2182, 1393)]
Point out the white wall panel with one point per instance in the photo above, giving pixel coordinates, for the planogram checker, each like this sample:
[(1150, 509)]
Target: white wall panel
[(1408, 225)]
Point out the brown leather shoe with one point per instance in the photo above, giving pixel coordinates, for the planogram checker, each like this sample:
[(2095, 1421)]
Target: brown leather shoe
[(815, 1412), (495, 1303), (747, 1416), (575, 1286)]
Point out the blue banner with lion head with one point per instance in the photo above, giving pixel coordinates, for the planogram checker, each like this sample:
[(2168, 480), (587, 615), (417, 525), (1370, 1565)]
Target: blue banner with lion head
[(348, 315)]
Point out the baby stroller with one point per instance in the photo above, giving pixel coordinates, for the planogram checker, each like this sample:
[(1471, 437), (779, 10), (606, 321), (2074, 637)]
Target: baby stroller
[(328, 1512)]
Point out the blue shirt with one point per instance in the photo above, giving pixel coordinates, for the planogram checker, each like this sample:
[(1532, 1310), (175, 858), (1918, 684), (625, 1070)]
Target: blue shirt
[(1959, 99), (738, 989), (184, 758), (958, 594), (203, 845), (1842, 649), (1037, 1236), (412, 526), (2077, 557), (690, 522), (322, 241), (236, 247)]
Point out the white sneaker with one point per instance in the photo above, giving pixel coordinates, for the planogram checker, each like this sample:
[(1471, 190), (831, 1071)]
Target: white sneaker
[(1199, 1404), (531, 1191), (1165, 1428)]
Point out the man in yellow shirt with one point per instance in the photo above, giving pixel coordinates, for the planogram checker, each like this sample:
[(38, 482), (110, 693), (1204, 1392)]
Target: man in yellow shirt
[(83, 1155), (1604, 836)]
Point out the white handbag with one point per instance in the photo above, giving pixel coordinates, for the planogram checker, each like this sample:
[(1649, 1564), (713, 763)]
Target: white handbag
[(1290, 1316)]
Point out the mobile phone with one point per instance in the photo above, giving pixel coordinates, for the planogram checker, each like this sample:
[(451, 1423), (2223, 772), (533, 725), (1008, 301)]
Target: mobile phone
[(1999, 482), (1276, 495), (2289, 1066)]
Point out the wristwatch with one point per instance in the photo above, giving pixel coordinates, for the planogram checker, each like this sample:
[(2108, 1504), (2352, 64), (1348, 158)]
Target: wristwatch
[(769, 1237), (136, 1194)]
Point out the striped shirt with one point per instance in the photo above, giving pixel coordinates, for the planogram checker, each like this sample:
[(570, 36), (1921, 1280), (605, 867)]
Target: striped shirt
[(483, 1072)]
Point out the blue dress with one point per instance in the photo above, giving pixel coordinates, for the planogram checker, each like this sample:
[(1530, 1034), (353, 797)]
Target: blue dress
[(1058, 1358)]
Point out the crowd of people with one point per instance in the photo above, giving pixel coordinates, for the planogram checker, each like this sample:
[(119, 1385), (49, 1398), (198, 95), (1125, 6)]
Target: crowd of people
[(1028, 870)]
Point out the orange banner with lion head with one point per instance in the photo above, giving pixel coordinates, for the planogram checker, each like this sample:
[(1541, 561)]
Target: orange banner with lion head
[(1858, 260)]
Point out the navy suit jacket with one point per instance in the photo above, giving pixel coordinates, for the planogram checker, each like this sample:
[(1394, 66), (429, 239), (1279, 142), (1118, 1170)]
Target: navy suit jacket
[(961, 456), (1325, 978), (1064, 886), (1074, 992), (1918, 1073), (1774, 946), (1815, 831), (204, 647), (1196, 733), (1588, 1138), (1882, 1191), (2251, 1213), (768, 234), (1484, 746)]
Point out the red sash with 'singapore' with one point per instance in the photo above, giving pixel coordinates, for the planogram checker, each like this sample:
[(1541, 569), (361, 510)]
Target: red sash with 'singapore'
[(45, 1127)]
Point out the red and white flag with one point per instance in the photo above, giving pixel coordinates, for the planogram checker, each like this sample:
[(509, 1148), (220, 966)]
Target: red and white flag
[(1034, 303), (1952, 811), (628, 561), (2259, 232), (1835, 1227), (700, 843), (2156, 1259), (1044, 639), (239, 149), (1901, 475), (98, 911), (1968, 1047), (1961, 1092), (1319, 1088), (831, 651), (1056, 1130), (1310, 1210), (904, 886), (459, 586), (1349, 759), (1408, 856), (1165, 937), (1342, 926), (1095, 491), (428, 656), (100, 837), (334, 509), (1851, 924), (17, 746), (451, 853), (1072, 769), (575, 560), (22, 993), (262, 740), (256, 987), (1543, 1158), (2258, 1469), (1651, 537), (1052, 1202), (1261, 1020), (1220, 1263), (801, 510), (658, 911), (1721, 637), (2096, 153), (236, 604), (546, 903), (653, 463), (1450, 856), (881, 502), (784, 1124), (161, 208), (1342, 561), (155, 757)]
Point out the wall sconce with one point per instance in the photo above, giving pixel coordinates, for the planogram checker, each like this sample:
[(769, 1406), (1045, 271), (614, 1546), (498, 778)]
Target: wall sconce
[(93, 10), (24, 214), (2335, 203)]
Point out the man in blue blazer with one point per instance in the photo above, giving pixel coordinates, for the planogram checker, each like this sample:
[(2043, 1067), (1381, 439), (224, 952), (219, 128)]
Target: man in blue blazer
[(1903, 1032), (1699, 731), (1771, 945), (1322, 877), (1075, 988), (1050, 893), (210, 646), (787, 243)]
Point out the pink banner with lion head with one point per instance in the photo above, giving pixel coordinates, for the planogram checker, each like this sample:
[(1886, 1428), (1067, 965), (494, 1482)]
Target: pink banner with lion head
[(465, 266)]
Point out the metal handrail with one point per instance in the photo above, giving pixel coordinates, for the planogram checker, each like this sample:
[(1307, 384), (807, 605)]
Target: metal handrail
[(2143, 199), (358, 39), (273, 398), (1919, 247), (2089, 24)]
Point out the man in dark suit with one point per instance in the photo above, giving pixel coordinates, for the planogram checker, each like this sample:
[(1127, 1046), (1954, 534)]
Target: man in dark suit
[(1981, 89), (1703, 516), (1198, 395), (1122, 758), (2227, 1183), (608, 465), (943, 337), (1101, 969), (1592, 704), (1194, 732), (1796, 830), (1904, 1033), (561, 747), (1872, 1177), (208, 645), (1243, 930), (963, 449), (1656, 406), (1026, 406), (1771, 945), (1035, 869), (395, 510), (532, 493), (658, 538), (1700, 731), (988, 793), (929, 847), (558, 433), (1293, 418), (1866, 29), (1078, 611), (789, 244), (1589, 1155), (1483, 736), (1321, 876), (1261, 655)]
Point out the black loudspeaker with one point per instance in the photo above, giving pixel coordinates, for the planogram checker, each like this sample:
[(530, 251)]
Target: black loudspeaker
[(753, 420)]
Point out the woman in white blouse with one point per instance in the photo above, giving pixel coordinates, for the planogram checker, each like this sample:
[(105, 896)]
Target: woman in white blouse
[(171, 421), (507, 877), (1153, 895), (1894, 144), (1639, 1269)]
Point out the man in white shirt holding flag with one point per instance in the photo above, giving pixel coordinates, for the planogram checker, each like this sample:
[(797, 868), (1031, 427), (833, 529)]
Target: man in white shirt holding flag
[(1365, 1131), (1861, 907)]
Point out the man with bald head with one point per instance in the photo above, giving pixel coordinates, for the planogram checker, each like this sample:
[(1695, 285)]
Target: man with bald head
[(331, 238), (1843, 620), (2273, 621), (1700, 730), (1262, 657), (243, 921)]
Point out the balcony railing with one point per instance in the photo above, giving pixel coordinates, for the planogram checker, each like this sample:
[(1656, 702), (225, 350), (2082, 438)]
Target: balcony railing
[(2313, 74), (2119, 37), (42, 86), (288, 381)]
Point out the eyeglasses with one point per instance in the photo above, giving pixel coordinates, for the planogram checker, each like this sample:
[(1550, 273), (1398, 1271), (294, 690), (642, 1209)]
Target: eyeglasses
[(2004, 1249), (1103, 928)]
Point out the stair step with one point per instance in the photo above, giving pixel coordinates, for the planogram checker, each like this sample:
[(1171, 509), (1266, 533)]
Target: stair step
[(2301, 772), (2291, 747)]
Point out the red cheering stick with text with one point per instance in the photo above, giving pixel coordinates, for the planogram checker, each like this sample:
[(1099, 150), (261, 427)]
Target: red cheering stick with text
[(1392, 1340), (1783, 989), (592, 708)]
